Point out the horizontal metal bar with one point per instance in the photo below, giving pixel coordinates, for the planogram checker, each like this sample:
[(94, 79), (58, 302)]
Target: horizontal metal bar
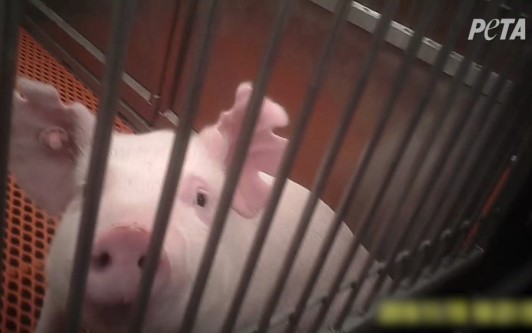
[(177, 157), (121, 27), (133, 119), (399, 36), (10, 14), (166, 119), (88, 46)]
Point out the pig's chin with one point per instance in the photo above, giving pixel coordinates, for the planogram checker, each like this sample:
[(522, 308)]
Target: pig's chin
[(111, 316)]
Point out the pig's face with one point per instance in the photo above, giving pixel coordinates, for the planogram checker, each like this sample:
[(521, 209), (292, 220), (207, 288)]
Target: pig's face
[(50, 151), (129, 202)]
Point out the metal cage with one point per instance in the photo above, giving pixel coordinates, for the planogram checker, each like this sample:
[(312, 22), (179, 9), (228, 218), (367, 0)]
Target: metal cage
[(433, 182)]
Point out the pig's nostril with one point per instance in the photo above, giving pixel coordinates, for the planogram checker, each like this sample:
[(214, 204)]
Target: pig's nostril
[(140, 263), (102, 261)]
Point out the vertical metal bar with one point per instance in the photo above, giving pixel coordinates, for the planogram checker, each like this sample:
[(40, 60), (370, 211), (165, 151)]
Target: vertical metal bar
[(419, 159), (451, 146), (178, 152), (484, 187), (288, 160), (368, 220), (463, 172), (498, 185), (479, 214), (380, 31), (415, 6), (518, 98), (461, 227), (248, 127), (117, 50), (318, 186), (488, 185), (10, 13), (448, 147), (186, 36), (464, 197), (429, 10)]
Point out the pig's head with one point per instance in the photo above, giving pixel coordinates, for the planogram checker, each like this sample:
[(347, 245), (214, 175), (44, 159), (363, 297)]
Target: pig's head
[(49, 157)]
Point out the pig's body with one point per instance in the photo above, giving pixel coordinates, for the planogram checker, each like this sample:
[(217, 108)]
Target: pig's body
[(276, 248), (136, 169)]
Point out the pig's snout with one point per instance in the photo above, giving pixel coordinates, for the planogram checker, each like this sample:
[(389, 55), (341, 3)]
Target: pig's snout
[(116, 267)]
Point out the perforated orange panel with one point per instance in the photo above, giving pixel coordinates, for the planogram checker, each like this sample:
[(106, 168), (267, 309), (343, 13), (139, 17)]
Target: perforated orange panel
[(29, 229)]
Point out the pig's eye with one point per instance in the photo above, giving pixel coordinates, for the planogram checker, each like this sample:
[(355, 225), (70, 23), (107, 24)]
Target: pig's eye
[(201, 199)]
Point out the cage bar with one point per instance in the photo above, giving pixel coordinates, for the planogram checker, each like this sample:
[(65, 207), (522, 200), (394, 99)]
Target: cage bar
[(399, 35), (288, 159), (369, 219), (122, 22), (492, 221), (427, 15), (378, 38), (483, 190), (471, 150), (10, 13), (317, 189), (233, 174), (178, 152), (479, 216), (518, 99), (184, 47), (450, 146), (472, 156), (419, 159), (464, 196)]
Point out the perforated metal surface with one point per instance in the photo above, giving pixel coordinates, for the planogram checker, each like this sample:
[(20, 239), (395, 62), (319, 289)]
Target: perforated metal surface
[(30, 229)]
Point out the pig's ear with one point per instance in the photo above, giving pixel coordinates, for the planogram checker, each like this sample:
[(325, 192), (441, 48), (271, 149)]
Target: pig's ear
[(47, 136), (265, 151)]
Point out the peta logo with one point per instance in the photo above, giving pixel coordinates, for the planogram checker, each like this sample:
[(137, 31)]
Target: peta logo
[(511, 28)]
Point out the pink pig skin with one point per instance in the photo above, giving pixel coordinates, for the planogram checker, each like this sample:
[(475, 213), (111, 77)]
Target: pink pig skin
[(49, 154)]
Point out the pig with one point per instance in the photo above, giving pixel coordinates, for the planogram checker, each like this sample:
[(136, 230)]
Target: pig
[(49, 157)]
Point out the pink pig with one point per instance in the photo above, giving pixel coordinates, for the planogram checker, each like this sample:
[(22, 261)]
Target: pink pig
[(49, 157)]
